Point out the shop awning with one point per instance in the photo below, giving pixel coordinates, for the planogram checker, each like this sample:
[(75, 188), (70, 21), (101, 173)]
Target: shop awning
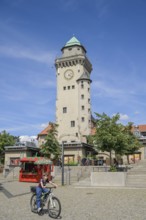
[(29, 159), (43, 161)]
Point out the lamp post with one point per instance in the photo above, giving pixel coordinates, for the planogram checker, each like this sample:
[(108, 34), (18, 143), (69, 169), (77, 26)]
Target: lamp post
[(62, 163)]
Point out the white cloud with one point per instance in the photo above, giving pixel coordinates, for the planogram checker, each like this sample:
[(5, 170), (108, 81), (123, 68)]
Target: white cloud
[(103, 89), (136, 112), (124, 117), (44, 125), (28, 138), (24, 53), (69, 4), (40, 82), (102, 7)]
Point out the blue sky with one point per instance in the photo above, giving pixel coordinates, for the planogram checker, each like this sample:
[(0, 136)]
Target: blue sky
[(32, 32)]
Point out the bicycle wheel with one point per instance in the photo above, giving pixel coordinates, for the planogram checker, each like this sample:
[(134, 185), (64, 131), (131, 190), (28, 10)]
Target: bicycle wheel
[(33, 204), (54, 207)]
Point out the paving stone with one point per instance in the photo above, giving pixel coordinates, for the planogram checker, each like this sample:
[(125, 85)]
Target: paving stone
[(78, 203)]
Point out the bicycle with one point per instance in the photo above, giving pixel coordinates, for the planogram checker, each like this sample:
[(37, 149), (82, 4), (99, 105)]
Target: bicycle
[(53, 205)]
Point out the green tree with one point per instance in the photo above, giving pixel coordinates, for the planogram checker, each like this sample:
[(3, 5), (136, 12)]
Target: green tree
[(113, 136), (5, 140), (51, 145), (132, 141), (90, 139)]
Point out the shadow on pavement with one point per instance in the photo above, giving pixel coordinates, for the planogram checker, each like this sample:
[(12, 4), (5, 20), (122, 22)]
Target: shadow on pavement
[(8, 194), (45, 212)]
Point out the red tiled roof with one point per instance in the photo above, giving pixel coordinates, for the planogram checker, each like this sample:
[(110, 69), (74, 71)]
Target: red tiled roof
[(93, 130), (46, 130), (141, 128)]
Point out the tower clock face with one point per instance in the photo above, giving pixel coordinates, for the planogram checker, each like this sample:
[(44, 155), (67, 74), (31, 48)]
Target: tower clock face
[(68, 74)]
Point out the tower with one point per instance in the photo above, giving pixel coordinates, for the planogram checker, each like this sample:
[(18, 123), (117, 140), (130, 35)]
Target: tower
[(73, 107)]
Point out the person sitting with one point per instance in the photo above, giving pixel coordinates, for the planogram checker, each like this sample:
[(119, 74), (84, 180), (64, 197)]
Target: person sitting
[(41, 188), (115, 163)]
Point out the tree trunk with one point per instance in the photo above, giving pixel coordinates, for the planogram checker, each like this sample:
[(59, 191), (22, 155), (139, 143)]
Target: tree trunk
[(127, 158), (110, 158)]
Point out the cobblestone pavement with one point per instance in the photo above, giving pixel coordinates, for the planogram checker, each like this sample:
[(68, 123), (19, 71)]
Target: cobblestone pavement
[(78, 203)]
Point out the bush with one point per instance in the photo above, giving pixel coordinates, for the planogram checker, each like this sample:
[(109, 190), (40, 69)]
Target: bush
[(71, 164), (113, 169)]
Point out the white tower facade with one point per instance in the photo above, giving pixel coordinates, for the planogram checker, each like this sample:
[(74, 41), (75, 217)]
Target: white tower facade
[(73, 106)]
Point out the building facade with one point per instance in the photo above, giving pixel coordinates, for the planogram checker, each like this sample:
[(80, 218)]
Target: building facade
[(73, 106), (140, 132), (73, 102), (13, 155)]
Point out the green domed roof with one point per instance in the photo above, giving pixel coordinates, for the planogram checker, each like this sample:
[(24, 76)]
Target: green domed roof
[(72, 41)]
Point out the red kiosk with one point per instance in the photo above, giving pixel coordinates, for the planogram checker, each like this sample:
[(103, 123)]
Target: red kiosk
[(32, 168)]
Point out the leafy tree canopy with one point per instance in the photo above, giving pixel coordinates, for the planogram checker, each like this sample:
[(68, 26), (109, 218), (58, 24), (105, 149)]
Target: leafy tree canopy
[(5, 140), (113, 136), (51, 145)]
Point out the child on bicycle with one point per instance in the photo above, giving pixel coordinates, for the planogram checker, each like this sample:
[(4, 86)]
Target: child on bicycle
[(41, 188)]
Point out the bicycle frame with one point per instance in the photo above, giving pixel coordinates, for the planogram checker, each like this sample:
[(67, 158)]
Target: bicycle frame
[(51, 200)]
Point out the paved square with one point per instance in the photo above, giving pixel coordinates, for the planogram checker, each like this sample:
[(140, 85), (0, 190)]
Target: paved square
[(78, 203)]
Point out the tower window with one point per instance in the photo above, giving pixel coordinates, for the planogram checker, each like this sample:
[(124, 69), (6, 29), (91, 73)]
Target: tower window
[(82, 86), (88, 89), (73, 87), (70, 48), (68, 87), (83, 119), (83, 107), (72, 123), (82, 96), (64, 109), (76, 134), (88, 100), (64, 88)]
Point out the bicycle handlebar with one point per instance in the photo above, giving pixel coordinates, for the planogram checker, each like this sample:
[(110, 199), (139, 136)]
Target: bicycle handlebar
[(51, 187)]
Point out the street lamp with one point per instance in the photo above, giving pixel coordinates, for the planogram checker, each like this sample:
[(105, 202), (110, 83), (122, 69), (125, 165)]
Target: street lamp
[(62, 163)]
